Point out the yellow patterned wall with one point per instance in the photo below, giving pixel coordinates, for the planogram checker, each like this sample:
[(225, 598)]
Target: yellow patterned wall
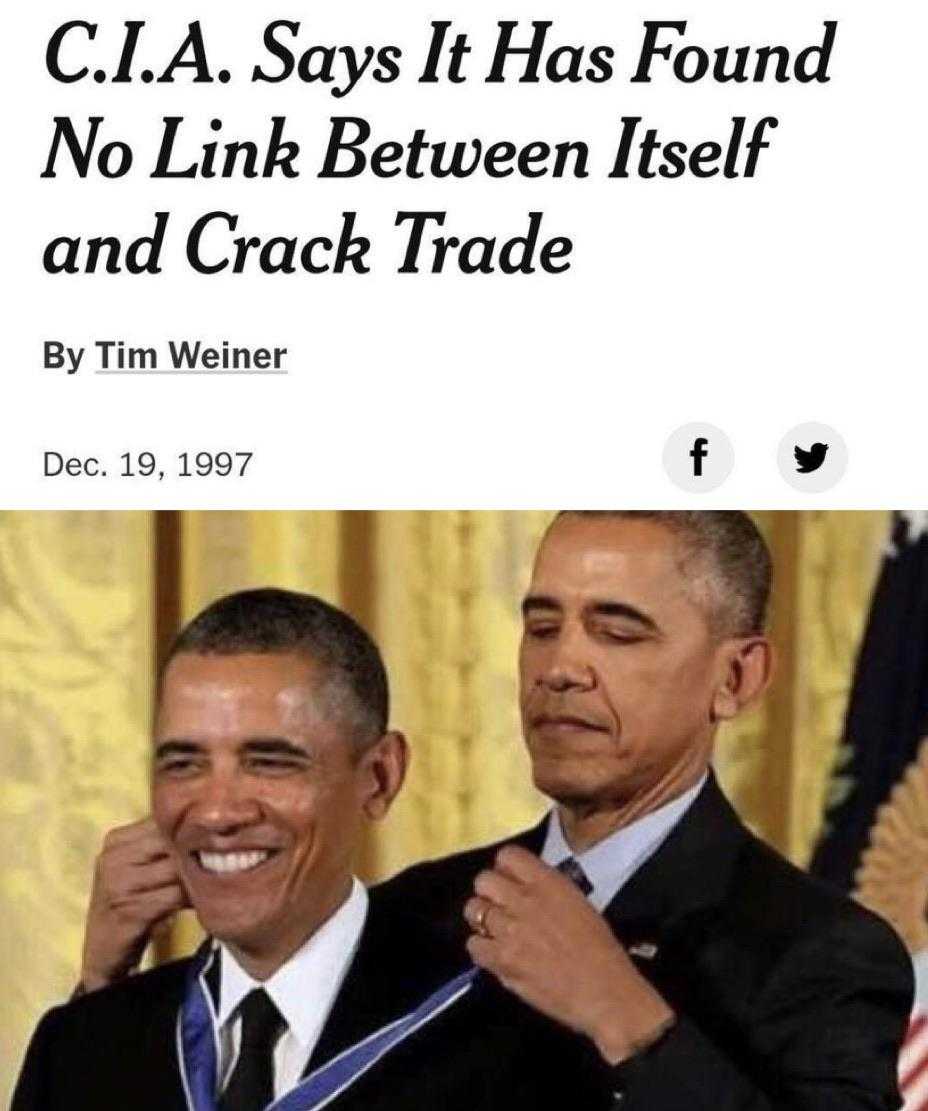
[(447, 588), (775, 762), (222, 552), (75, 689), (440, 592)]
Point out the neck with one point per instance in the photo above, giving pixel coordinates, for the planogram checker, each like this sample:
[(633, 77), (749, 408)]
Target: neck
[(262, 961), (587, 822)]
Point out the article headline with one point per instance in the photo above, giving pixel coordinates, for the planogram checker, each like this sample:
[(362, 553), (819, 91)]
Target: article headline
[(528, 53)]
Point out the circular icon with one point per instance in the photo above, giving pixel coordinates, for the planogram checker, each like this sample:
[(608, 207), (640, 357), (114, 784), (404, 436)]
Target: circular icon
[(812, 457), (698, 457)]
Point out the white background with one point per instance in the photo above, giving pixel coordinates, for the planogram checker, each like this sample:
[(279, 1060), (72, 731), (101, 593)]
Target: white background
[(755, 305)]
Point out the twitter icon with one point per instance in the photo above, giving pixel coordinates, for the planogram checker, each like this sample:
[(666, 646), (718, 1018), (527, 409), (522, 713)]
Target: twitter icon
[(811, 460), (812, 457)]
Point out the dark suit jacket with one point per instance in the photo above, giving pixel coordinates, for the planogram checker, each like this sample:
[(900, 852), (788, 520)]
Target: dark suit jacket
[(115, 1049), (790, 998)]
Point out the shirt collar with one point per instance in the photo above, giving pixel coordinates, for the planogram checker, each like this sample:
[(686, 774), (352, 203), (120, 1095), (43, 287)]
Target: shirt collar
[(611, 863), (304, 988)]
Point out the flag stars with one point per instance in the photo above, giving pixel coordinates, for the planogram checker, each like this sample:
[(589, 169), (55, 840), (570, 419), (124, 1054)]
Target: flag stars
[(916, 522)]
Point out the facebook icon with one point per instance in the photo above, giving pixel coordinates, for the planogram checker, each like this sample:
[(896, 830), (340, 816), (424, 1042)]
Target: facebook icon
[(698, 452), (698, 457)]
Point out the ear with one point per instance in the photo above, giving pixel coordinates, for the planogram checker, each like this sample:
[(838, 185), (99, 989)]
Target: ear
[(748, 669), (383, 767)]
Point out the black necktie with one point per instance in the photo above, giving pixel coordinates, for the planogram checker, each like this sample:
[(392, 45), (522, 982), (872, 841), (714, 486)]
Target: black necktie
[(251, 1085), (572, 870)]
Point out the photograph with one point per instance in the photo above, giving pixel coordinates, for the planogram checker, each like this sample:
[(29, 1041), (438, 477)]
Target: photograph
[(474, 808)]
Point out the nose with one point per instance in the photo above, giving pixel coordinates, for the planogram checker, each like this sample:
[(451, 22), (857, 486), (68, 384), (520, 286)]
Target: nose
[(565, 666), (566, 675), (224, 804)]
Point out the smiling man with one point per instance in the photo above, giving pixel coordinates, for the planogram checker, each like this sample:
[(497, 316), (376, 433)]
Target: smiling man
[(271, 754), (639, 948), (266, 866)]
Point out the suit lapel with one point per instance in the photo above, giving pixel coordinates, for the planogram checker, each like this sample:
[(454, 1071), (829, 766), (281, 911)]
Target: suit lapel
[(159, 1062), (398, 964), (690, 871), (533, 839), (402, 958)]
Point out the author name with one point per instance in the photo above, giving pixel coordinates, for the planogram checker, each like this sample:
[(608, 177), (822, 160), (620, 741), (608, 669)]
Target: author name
[(114, 355)]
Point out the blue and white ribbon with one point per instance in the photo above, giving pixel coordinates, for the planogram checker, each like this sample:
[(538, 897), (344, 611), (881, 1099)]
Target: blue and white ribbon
[(198, 1050), (198, 1038)]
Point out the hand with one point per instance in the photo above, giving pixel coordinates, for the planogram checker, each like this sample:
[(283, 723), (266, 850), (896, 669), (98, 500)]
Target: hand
[(543, 941), (135, 886)]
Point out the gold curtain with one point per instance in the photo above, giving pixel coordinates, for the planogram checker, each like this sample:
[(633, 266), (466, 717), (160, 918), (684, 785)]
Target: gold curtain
[(447, 588), (75, 704), (440, 593), (222, 552), (775, 762)]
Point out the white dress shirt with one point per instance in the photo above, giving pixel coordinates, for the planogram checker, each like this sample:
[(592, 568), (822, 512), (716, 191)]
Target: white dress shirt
[(611, 863), (303, 990)]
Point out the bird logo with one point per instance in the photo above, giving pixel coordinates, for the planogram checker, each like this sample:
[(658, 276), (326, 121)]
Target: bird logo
[(811, 460)]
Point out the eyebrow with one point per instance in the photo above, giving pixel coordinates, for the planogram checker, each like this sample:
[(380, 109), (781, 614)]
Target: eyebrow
[(601, 608), (176, 748), (539, 602), (274, 746), (266, 746)]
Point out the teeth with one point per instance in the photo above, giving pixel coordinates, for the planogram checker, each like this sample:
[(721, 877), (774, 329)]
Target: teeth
[(226, 863)]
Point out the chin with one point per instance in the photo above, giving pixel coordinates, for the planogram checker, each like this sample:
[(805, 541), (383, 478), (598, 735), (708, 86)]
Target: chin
[(236, 926), (565, 785), (580, 782)]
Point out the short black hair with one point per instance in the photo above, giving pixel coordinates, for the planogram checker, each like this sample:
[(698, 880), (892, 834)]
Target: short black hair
[(735, 553), (273, 620)]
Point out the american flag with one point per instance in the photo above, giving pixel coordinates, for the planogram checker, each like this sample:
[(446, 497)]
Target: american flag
[(884, 731), (913, 1064)]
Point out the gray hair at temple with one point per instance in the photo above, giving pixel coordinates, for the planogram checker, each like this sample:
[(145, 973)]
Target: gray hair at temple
[(724, 557), (271, 620)]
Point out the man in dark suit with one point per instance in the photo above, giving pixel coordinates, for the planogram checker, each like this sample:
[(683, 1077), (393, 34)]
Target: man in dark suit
[(641, 948), (737, 982), (271, 753)]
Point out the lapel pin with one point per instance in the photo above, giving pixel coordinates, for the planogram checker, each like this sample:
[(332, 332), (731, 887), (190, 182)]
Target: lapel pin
[(647, 950)]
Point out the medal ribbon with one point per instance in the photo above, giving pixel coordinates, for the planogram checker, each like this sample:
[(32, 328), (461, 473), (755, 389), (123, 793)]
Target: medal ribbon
[(198, 1053)]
